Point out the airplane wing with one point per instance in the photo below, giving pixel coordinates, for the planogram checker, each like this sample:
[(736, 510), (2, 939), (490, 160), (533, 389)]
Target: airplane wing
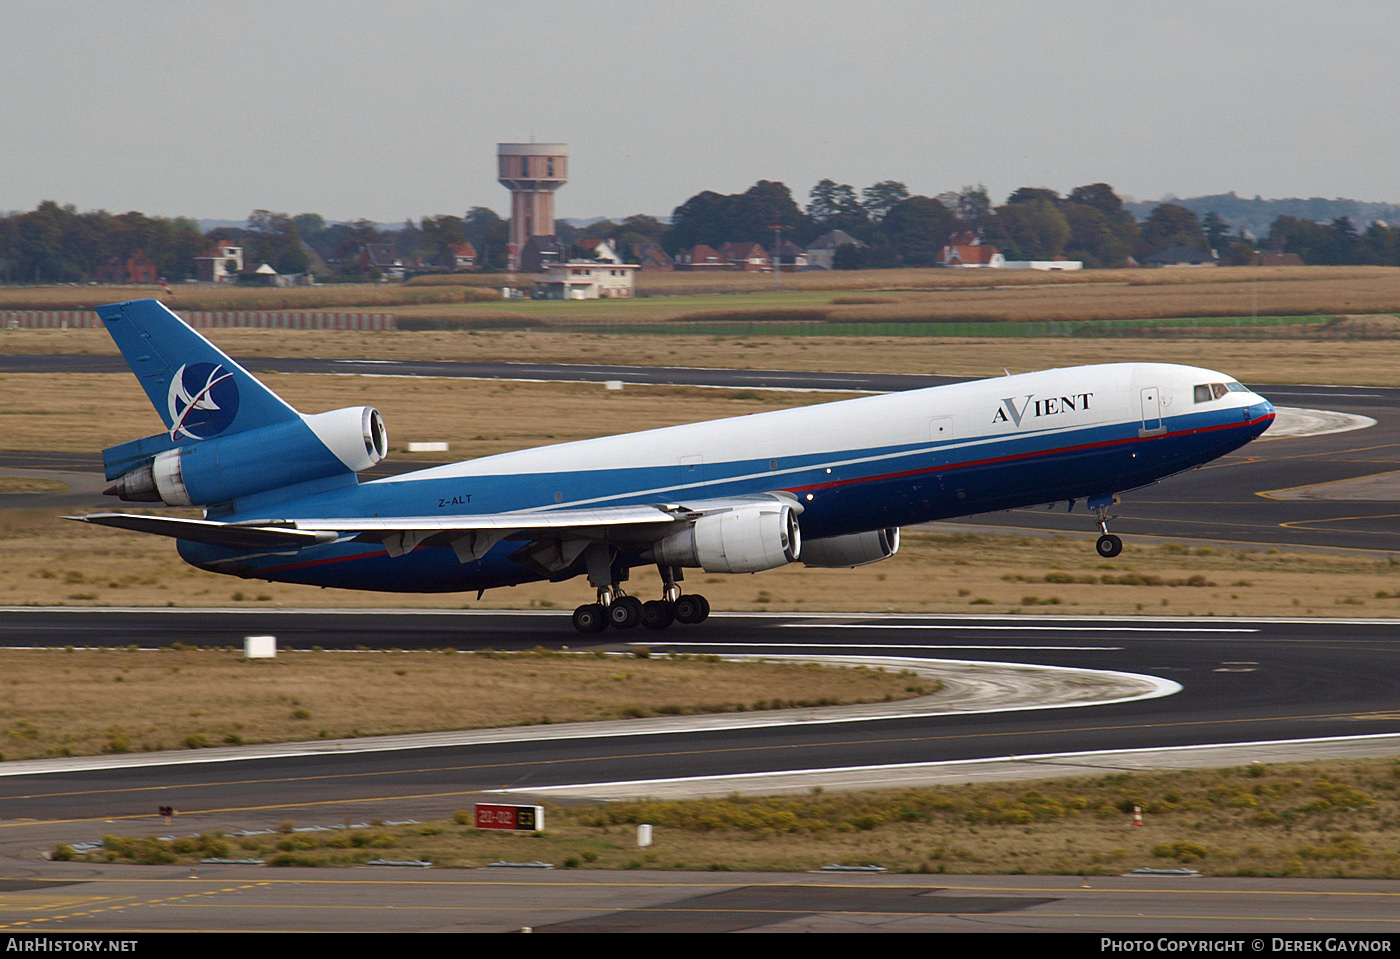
[(470, 535)]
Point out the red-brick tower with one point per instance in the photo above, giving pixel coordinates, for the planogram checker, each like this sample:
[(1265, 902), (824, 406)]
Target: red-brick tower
[(531, 172)]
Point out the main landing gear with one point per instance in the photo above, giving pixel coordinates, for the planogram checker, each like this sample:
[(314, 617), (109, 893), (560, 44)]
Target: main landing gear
[(615, 608), (1108, 545)]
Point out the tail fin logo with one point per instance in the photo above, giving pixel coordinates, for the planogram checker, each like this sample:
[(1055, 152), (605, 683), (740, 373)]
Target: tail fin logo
[(203, 401)]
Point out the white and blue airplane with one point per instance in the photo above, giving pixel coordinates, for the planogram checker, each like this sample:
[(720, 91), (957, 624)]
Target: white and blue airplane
[(827, 485)]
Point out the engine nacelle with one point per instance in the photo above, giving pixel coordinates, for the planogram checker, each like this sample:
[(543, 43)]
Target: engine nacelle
[(855, 549), (744, 540), (226, 467)]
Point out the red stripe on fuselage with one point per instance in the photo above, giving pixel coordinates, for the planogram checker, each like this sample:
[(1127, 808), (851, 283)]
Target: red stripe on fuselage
[(887, 476)]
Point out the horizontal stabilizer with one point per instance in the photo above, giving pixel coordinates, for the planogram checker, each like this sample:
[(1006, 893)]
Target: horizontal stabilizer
[(229, 535)]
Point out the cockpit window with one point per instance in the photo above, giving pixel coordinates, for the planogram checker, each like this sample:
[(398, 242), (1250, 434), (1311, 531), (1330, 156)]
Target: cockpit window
[(1206, 392)]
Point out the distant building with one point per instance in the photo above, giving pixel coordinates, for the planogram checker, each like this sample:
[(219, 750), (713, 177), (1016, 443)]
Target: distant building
[(540, 252), (788, 256), (702, 257), (463, 255), (130, 269), (1057, 264), (586, 280), (1180, 256), (531, 172), (222, 264), (748, 257), (601, 250), (971, 255), (821, 253), (384, 258), (651, 258)]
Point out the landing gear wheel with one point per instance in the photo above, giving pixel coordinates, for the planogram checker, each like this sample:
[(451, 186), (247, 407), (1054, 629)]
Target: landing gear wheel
[(625, 612), (592, 618), (692, 608), (1109, 546), (658, 614)]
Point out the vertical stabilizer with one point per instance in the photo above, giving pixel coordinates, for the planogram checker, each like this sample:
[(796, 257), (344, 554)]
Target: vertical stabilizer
[(195, 387)]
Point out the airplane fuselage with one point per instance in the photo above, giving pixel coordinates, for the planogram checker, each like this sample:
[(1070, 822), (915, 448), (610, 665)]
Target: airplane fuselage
[(881, 461)]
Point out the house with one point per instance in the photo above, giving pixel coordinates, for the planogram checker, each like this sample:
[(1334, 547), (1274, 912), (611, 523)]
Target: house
[(134, 268), (821, 254), (1180, 256), (221, 264), (651, 258), (383, 258), (462, 256), (600, 250), (789, 256), (702, 257), (970, 255), (748, 257), (540, 252), (586, 280)]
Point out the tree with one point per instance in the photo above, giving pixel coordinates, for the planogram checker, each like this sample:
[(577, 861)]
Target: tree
[(1029, 229), (1100, 196), (879, 198), (1171, 225), (918, 229), (1030, 194), (1215, 229)]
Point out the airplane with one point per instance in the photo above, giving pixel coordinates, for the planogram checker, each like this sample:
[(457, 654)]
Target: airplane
[(828, 485)]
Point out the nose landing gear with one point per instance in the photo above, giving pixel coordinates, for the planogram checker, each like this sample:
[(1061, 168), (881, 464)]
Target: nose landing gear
[(1108, 545)]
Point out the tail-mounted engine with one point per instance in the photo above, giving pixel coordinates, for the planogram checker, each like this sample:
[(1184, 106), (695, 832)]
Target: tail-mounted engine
[(282, 454)]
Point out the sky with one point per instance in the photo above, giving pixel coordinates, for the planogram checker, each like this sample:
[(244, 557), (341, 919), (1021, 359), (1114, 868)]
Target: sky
[(390, 111)]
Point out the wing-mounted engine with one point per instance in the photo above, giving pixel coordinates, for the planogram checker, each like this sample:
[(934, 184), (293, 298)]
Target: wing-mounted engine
[(855, 549), (223, 468), (742, 540)]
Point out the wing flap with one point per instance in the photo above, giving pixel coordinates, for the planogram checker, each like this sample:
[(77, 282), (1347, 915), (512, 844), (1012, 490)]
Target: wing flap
[(230, 535)]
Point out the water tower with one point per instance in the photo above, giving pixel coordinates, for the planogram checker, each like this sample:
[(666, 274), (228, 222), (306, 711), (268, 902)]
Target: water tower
[(531, 172)]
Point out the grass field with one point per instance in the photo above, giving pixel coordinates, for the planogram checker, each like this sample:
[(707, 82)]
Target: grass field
[(1334, 819), (899, 296), (84, 702), (1360, 361)]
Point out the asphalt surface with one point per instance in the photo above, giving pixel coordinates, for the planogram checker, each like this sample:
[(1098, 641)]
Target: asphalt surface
[(1243, 681)]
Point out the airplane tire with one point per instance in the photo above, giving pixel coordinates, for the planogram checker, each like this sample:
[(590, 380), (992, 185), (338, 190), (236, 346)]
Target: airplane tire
[(590, 618), (658, 614), (1109, 546), (692, 608), (625, 613)]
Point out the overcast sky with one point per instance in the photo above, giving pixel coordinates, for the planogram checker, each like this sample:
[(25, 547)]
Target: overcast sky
[(393, 110)]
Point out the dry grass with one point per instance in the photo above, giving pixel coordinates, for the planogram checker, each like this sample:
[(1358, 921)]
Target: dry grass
[(906, 296), (1357, 362), (372, 297), (1334, 819), (57, 702)]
